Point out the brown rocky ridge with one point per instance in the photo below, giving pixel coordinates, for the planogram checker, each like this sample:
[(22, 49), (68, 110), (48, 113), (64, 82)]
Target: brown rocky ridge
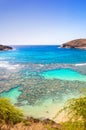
[(32, 124), (77, 43), (4, 47)]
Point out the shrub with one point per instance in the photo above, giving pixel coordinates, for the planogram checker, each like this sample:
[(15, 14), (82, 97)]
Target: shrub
[(77, 108), (76, 112), (73, 126), (9, 113)]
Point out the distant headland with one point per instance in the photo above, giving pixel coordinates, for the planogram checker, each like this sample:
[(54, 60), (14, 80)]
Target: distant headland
[(77, 43), (3, 47)]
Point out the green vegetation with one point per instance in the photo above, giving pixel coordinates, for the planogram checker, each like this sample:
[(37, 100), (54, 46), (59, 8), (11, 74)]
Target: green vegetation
[(76, 113), (48, 127), (73, 126), (75, 109), (27, 123), (9, 113)]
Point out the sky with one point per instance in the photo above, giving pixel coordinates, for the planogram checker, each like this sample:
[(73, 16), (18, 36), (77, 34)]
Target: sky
[(40, 22)]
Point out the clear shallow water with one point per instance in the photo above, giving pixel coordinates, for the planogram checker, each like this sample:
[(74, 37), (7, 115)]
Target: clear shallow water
[(40, 79), (64, 74), (12, 94)]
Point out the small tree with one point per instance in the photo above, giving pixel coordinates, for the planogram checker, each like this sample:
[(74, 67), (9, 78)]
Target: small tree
[(9, 113)]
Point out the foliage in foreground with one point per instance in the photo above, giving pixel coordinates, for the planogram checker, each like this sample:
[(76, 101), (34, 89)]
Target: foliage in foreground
[(73, 126), (9, 113), (77, 109), (76, 112)]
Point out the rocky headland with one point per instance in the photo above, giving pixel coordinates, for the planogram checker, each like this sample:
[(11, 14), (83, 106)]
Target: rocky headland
[(4, 47), (77, 43)]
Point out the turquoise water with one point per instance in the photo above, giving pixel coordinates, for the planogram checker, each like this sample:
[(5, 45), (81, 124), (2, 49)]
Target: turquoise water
[(64, 74), (40, 79), (12, 94)]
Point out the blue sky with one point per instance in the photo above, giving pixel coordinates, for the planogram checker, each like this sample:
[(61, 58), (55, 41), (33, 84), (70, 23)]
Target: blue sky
[(42, 21)]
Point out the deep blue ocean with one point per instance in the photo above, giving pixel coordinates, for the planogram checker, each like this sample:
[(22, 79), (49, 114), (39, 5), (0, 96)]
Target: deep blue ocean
[(43, 55), (39, 79)]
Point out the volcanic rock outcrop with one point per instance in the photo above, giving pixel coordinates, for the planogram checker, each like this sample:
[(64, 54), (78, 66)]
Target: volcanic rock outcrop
[(78, 43), (3, 47)]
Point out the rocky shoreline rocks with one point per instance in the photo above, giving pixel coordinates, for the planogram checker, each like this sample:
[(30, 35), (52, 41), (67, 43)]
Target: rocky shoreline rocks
[(3, 47), (77, 43)]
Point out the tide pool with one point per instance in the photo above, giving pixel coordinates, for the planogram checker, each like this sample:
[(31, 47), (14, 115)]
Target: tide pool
[(12, 94), (64, 74)]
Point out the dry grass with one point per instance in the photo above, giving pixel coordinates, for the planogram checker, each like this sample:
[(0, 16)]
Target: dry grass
[(32, 124)]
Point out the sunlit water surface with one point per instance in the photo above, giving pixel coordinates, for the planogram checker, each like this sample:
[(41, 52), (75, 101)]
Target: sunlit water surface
[(40, 79)]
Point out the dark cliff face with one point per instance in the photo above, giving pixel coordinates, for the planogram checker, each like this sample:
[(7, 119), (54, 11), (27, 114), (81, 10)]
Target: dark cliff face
[(3, 47), (78, 43)]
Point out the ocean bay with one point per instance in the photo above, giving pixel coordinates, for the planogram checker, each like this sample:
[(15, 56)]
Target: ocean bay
[(37, 78)]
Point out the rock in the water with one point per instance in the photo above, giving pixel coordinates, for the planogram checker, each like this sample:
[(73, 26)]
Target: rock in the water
[(3, 47), (78, 43)]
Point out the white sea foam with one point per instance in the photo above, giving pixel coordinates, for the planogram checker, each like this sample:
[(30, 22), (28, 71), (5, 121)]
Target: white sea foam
[(7, 65), (80, 64), (41, 65)]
